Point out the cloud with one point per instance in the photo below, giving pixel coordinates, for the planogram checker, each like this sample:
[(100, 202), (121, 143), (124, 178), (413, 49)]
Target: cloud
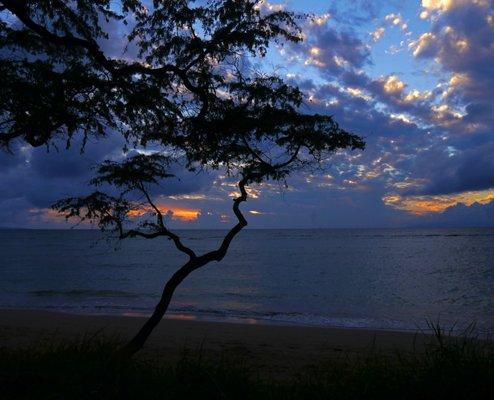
[(181, 213), (356, 12), (460, 41), (397, 20), (441, 6), (427, 141), (422, 205), (378, 34), (330, 50), (392, 84), (475, 215), (447, 173), (269, 6), (35, 178)]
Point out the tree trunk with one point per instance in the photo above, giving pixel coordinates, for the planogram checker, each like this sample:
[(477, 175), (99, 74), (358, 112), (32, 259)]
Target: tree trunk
[(177, 278), (137, 342)]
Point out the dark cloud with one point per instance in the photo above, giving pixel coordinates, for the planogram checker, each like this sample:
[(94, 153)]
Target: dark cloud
[(14, 213), (446, 152), (36, 177), (476, 215), (332, 51), (447, 173), (461, 40), (9, 160), (357, 11), (467, 21)]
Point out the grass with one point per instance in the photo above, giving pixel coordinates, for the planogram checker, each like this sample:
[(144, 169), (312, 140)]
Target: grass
[(449, 368)]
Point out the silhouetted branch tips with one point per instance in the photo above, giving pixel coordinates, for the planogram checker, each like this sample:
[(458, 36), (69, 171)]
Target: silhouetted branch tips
[(114, 214), (133, 172)]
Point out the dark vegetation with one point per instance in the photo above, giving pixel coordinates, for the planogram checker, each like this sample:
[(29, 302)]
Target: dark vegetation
[(449, 368)]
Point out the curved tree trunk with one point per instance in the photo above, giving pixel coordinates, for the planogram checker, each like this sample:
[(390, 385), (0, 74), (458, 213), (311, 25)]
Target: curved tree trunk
[(195, 262), (137, 342)]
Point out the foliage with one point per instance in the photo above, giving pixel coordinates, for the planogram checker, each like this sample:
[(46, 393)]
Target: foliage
[(182, 86)]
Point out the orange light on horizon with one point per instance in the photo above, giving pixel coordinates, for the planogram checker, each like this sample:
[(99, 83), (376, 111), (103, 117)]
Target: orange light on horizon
[(422, 205), (181, 213), (185, 214)]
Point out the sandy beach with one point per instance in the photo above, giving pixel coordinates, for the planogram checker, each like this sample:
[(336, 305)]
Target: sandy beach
[(282, 348)]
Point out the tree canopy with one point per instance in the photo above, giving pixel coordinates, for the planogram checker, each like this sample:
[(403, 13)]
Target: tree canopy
[(174, 77), (180, 86)]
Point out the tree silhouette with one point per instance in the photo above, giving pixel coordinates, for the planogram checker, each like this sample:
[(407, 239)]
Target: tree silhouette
[(182, 92)]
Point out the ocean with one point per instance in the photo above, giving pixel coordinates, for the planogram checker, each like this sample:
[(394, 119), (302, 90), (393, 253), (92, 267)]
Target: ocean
[(380, 279)]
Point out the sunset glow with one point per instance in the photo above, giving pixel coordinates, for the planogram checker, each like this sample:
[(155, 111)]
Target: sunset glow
[(412, 79), (181, 213), (421, 205), (176, 213)]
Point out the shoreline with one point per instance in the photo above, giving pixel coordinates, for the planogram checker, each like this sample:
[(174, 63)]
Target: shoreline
[(451, 328), (278, 347), (230, 319)]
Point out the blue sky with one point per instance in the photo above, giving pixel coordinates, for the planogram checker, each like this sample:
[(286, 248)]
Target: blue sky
[(415, 78)]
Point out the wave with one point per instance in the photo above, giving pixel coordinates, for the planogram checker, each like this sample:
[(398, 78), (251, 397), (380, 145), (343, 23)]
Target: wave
[(411, 235), (83, 293), (292, 318)]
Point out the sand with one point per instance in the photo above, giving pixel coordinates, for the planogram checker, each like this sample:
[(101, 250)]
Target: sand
[(276, 347)]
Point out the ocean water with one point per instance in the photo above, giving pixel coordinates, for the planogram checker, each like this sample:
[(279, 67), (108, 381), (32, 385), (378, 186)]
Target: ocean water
[(385, 279)]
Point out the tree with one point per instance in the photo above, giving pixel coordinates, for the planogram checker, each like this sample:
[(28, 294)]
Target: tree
[(183, 94)]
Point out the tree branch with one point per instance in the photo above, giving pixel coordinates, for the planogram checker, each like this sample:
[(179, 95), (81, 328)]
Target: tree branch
[(163, 231), (252, 151), (20, 10), (219, 254), (159, 215)]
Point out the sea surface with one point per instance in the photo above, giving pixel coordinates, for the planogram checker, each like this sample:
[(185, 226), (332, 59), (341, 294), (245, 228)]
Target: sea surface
[(385, 279)]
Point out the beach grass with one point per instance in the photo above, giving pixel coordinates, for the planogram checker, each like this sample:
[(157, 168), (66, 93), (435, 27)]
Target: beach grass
[(449, 367)]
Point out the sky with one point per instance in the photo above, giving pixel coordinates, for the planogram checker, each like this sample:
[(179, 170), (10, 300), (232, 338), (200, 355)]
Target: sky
[(414, 78)]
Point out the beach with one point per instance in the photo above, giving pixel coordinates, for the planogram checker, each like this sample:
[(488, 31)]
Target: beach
[(273, 347)]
